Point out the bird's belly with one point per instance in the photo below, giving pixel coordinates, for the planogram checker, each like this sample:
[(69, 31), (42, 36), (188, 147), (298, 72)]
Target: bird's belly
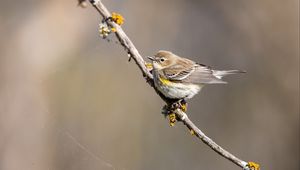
[(177, 90)]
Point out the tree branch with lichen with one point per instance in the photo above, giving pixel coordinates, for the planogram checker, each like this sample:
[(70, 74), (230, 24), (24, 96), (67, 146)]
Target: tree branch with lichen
[(111, 23)]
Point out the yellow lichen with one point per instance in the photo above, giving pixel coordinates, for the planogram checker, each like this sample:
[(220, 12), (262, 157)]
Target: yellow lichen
[(172, 124), (172, 119), (149, 66), (113, 30), (104, 30), (117, 18), (253, 166), (192, 132), (184, 107)]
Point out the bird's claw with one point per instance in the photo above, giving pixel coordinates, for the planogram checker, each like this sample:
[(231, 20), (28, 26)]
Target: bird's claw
[(182, 105)]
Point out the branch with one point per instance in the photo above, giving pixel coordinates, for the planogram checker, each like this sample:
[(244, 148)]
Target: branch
[(135, 55), (123, 38), (210, 142)]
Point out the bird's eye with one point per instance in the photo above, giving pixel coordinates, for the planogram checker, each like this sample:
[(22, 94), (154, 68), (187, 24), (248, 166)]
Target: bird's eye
[(162, 60)]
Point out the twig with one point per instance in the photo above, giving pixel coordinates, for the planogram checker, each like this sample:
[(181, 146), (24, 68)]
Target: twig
[(134, 54), (210, 142), (123, 38)]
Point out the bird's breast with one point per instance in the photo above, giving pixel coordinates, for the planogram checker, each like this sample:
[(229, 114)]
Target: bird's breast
[(175, 90)]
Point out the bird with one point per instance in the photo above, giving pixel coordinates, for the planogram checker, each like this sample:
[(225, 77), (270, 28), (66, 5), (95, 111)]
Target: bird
[(179, 78)]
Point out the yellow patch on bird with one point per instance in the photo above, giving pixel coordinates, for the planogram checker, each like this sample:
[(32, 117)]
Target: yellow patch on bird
[(165, 81)]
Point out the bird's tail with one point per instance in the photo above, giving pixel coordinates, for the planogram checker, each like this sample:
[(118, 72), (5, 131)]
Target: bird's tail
[(221, 73)]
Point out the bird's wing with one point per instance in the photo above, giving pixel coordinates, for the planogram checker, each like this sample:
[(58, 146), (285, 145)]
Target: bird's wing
[(192, 73), (203, 74), (179, 71)]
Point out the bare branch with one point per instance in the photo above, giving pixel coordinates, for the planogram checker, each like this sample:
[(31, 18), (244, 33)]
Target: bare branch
[(134, 54), (123, 38), (209, 141)]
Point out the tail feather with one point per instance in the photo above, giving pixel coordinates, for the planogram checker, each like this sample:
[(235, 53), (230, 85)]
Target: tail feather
[(220, 73)]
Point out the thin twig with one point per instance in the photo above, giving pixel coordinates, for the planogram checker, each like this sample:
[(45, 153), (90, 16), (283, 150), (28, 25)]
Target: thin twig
[(134, 54), (123, 38), (210, 142)]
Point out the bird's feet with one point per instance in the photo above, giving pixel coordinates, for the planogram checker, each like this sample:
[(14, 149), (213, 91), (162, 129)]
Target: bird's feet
[(180, 104), (173, 118), (183, 105)]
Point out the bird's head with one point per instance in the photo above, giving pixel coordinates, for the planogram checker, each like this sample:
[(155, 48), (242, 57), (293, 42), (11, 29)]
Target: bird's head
[(163, 59)]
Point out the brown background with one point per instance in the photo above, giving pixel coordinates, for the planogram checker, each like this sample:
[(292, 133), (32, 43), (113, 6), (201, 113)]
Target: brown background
[(71, 101)]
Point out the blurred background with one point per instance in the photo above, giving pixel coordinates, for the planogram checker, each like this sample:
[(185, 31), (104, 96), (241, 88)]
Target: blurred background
[(70, 100)]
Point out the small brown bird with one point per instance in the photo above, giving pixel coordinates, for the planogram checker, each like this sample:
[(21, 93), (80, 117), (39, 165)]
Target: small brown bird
[(180, 78)]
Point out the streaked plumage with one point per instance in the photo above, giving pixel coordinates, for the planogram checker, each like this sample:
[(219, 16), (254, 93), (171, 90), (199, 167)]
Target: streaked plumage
[(181, 78)]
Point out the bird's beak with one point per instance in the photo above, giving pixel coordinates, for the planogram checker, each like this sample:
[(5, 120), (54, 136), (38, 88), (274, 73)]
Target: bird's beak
[(151, 58)]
